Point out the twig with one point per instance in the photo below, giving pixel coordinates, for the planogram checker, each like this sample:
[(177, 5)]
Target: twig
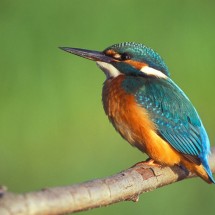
[(124, 186)]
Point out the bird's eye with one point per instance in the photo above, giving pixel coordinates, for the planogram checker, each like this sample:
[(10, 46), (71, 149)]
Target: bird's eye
[(125, 56)]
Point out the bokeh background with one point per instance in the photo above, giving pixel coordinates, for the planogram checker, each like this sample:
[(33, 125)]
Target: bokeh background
[(53, 130)]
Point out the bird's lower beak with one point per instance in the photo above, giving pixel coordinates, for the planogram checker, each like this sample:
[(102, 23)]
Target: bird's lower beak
[(88, 54)]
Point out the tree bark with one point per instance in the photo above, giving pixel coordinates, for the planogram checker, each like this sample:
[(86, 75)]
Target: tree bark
[(126, 185)]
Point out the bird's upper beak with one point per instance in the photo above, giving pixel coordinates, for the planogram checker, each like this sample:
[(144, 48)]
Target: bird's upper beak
[(88, 54)]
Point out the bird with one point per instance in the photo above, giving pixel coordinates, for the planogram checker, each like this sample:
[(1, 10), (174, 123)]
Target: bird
[(148, 108)]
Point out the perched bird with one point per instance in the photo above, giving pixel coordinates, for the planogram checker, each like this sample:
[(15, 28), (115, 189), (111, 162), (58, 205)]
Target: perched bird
[(148, 109)]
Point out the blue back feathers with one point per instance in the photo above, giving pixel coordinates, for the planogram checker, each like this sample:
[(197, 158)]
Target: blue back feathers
[(175, 117), (142, 53)]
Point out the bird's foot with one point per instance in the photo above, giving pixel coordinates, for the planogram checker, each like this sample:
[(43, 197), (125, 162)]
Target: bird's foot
[(149, 162), (184, 169), (3, 190), (152, 162)]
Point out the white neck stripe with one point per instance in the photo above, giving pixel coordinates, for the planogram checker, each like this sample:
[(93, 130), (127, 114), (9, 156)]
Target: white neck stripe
[(153, 72)]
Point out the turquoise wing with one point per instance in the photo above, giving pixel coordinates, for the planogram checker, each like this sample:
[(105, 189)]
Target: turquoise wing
[(174, 116)]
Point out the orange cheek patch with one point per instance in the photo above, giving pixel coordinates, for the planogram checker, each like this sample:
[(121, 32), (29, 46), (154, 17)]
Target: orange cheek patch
[(113, 54), (138, 65), (110, 52)]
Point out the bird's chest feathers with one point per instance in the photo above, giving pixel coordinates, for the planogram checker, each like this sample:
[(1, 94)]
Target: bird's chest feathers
[(131, 120)]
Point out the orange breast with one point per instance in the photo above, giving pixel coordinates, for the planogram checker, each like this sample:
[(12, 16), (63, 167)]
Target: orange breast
[(133, 123)]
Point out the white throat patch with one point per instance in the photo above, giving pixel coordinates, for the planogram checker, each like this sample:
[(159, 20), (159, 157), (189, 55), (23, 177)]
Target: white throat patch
[(108, 69), (153, 72)]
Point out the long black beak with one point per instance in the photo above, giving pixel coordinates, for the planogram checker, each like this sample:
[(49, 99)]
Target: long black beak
[(88, 54)]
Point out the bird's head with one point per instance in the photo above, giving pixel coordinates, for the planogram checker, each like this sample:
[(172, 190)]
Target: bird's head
[(126, 58)]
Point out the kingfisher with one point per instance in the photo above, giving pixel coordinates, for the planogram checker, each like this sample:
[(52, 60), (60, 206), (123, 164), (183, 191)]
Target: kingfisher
[(148, 109)]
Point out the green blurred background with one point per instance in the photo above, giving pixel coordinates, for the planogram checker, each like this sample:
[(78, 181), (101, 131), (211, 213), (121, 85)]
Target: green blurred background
[(53, 130)]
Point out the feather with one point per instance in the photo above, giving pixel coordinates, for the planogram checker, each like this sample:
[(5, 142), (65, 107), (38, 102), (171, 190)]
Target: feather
[(173, 114)]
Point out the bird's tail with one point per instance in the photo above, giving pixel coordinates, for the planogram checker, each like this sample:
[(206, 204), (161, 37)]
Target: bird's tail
[(202, 170), (208, 170), (204, 158)]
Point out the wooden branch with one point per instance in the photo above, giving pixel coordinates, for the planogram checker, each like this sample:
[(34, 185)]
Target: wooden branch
[(127, 185)]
